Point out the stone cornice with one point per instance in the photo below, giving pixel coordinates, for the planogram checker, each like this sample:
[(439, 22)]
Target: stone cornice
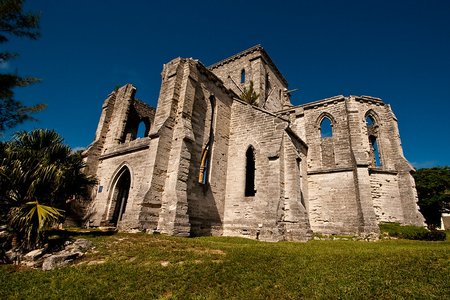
[(125, 148)]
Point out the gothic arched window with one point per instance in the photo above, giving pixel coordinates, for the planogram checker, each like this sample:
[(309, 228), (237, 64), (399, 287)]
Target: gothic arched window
[(370, 121), (250, 172), (372, 133), (326, 128), (142, 130), (243, 76), (374, 153)]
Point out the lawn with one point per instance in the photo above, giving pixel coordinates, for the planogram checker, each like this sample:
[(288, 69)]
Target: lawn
[(140, 266)]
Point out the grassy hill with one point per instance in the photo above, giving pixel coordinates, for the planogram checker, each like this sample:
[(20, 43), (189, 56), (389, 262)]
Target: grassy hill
[(140, 266)]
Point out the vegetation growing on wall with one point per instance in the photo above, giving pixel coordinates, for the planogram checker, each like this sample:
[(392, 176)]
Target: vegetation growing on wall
[(249, 95)]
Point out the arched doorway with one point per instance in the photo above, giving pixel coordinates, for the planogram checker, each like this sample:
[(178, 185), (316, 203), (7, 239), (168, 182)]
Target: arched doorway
[(120, 196)]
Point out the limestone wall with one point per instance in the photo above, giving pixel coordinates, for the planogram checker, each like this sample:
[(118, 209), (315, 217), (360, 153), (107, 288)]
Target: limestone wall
[(267, 80), (345, 194), (132, 155), (181, 131), (333, 206), (262, 215), (386, 195), (111, 151)]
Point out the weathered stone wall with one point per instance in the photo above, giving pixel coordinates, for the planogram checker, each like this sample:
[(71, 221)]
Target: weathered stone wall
[(344, 185), (263, 215), (259, 68), (111, 152), (391, 157), (386, 195), (132, 155), (189, 207), (95, 149), (333, 203)]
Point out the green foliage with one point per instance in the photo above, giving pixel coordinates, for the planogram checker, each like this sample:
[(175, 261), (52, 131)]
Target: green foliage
[(14, 22), (249, 95), (136, 266), (410, 232), (38, 175), (32, 218), (433, 189)]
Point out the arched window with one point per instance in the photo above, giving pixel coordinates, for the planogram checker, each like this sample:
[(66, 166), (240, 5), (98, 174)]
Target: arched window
[(250, 173), (119, 196), (204, 166), (243, 76), (372, 133), (374, 153), (326, 128), (370, 121), (142, 130)]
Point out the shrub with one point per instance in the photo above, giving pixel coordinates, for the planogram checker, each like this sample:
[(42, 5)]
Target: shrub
[(410, 232)]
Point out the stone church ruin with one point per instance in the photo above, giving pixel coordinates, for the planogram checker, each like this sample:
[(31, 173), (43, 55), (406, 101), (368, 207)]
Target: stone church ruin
[(205, 162)]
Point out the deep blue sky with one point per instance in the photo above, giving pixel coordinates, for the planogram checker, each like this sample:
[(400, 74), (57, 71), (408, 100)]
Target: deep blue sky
[(396, 50)]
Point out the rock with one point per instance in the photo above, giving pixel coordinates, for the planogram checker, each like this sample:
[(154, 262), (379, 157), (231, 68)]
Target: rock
[(64, 257), (33, 255), (79, 245), (33, 259), (165, 263), (13, 256), (60, 259)]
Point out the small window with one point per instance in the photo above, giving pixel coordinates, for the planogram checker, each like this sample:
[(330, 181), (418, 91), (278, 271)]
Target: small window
[(142, 130), (243, 76), (250, 173), (326, 128)]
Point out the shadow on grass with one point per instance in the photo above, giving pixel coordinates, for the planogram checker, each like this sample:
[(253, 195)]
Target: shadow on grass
[(58, 237)]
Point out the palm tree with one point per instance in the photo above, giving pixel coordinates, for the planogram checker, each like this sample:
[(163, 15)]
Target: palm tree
[(38, 175)]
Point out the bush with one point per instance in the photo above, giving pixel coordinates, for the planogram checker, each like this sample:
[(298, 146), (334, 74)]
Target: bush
[(410, 232)]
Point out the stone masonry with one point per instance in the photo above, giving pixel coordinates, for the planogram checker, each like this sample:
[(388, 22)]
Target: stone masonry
[(205, 162)]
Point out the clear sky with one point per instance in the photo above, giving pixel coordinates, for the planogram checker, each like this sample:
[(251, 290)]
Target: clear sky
[(396, 50)]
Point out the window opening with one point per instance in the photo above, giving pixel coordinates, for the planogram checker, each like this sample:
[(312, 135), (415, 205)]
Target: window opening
[(375, 154), (142, 130), (326, 128), (205, 158), (243, 76), (250, 173), (370, 121), (204, 166)]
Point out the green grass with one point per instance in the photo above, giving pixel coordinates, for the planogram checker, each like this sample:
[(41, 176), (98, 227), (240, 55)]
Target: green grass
[(411, 232), (140, 266)]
